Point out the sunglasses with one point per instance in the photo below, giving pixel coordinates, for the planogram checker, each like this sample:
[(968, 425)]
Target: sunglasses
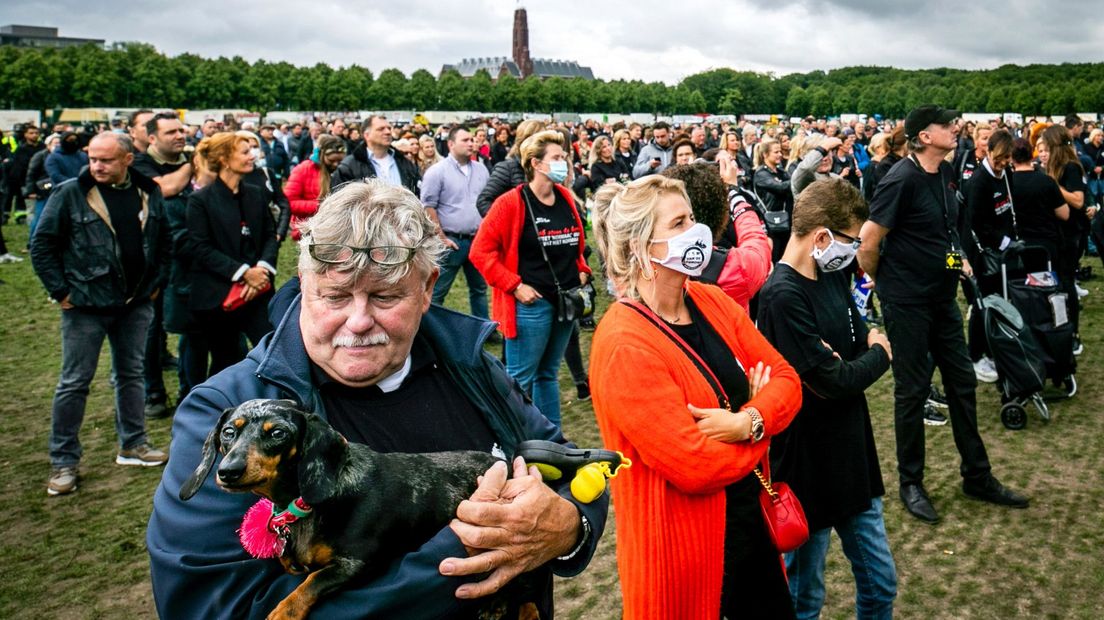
[(337, 254), (855, 241)]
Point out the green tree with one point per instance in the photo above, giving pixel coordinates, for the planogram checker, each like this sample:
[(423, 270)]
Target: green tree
[(477, 91), (504, 95), (96, 79), (32, 80), (421, 90), (798, 102), (732, 102), (348, 87), (388, 92), (450, 91)]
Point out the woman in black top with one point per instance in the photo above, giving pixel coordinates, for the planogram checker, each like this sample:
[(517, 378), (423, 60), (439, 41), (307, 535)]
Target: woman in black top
[(623, 149), (604, 167), (827, 454), (772, 184), (897, 146), (232, 240), (1040, 208), (529, 248), (501, 147), (1060, 161), (992, 218)]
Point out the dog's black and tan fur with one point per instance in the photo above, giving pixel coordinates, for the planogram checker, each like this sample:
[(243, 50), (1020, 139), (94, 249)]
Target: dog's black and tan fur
[(368, 507)]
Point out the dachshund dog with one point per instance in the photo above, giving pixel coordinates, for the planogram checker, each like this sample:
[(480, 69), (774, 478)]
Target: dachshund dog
[(366, 508)]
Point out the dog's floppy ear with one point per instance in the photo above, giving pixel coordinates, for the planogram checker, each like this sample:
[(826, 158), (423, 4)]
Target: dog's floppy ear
[(211, 447), (322, 455)]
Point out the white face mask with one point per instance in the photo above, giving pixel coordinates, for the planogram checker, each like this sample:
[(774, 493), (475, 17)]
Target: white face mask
[(836, 256), (689, 251)]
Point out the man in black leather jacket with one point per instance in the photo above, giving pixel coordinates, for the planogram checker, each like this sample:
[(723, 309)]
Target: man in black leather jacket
[(102, 252), (374, 155)]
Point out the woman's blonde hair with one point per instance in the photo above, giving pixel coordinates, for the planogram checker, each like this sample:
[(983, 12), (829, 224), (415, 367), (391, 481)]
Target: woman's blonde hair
[(596, 149), (535, 146), (618, 136), (524, 130), (878, 146), (216, 150), (797, 148), (624, 226), (762, 149)]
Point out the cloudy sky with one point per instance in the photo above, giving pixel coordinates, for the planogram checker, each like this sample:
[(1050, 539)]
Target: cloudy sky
[(642, 39)]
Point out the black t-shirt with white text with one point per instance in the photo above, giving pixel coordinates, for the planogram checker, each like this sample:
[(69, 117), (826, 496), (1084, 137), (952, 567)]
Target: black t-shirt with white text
[(921, 211), (989, 207), (560, 235)]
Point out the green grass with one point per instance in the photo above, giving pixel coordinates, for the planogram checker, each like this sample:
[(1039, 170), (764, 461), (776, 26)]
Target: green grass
[(84, 556)]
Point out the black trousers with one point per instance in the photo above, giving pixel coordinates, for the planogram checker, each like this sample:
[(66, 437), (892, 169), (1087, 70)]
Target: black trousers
[(754, 583), (914, 331)]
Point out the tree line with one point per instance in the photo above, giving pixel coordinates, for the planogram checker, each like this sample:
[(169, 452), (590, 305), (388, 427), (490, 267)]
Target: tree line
[(137, 75)]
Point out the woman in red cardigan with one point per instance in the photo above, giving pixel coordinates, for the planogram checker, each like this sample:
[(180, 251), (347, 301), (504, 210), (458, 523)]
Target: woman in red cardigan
[(529, 246), (691, 542), (309, 182)]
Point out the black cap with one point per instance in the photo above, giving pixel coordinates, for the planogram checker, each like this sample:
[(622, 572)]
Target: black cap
[(919, 119)]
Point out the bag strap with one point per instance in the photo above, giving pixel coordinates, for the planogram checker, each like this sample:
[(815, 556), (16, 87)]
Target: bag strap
[(762, 471), (647, 313), (536, 231)]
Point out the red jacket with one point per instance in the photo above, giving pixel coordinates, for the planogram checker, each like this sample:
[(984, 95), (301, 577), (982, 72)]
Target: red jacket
[(749, 263), (671, 504), (302, 189), (494, 252)]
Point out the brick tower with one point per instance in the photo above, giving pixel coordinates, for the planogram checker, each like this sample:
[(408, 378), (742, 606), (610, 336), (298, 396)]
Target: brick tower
[(521, 43)]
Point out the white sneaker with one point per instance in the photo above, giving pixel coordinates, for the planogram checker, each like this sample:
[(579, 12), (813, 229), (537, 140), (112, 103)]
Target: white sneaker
[(985, 370), (1081, 292), (10, 258)]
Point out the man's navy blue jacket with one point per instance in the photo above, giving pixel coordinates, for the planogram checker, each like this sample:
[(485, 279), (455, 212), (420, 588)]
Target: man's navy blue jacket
[(198, 566)]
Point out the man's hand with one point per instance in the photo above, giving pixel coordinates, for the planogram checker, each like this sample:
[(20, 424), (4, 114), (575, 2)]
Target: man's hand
[(967, 270), (510, 527), (449, 243), (66, 304), (526, 294)]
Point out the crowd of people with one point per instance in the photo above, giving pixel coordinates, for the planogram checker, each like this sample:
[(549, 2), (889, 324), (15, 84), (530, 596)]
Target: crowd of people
[(731, 253)]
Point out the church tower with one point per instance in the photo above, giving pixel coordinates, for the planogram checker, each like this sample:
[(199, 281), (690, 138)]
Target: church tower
[(521, 43)]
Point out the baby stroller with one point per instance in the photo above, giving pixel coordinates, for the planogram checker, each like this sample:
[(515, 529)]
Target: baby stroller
[(1021, 372), (1034, 291)]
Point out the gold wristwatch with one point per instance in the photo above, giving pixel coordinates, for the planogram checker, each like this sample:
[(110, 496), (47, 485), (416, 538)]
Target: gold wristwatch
[(757, 429)]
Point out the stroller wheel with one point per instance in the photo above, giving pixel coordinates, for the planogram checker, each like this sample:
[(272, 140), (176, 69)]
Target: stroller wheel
[(1041, 407), (1069, 386), (1013, 416)]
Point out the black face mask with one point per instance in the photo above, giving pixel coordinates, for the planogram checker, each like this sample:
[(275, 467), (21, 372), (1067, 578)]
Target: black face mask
[(70, 146)]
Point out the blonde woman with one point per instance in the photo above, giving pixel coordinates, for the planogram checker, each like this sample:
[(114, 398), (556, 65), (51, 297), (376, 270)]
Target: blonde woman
[(603, 166), (691, 542), (528, 248), (509, 173), (427, 153)]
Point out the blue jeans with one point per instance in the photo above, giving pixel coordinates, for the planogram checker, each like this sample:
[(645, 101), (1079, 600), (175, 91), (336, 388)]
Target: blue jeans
[(40, 204), (866, 546), (82, 336), (453, 261), (533, 357)]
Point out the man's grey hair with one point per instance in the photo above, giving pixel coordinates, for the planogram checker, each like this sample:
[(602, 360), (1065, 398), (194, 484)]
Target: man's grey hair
[(371, 214), (122, 140)]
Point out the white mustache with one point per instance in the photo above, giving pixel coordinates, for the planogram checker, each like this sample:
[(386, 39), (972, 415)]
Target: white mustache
[(360, 341)]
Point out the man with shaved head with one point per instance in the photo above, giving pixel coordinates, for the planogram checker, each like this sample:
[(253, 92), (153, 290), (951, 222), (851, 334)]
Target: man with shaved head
[(101, 251)]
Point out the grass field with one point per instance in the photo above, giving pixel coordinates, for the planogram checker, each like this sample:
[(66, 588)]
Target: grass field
[(84, 556)]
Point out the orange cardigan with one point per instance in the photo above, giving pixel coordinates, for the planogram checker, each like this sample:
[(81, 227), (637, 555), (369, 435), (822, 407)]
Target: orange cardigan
[(671, 504)]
